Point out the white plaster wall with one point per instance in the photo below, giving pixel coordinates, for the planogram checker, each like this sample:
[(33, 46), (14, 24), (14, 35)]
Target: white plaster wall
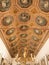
[(4, 52), (44, 51)]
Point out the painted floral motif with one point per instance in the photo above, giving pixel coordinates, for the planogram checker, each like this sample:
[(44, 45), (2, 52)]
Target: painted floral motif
[(4, 5), (41, 21), (44, 5), (24, 3)]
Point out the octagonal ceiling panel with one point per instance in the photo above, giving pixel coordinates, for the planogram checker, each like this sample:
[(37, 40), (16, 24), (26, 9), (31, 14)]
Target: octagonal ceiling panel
[(24, 24)]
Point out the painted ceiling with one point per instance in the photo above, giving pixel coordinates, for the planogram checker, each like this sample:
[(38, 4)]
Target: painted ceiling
[(24, 25)]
